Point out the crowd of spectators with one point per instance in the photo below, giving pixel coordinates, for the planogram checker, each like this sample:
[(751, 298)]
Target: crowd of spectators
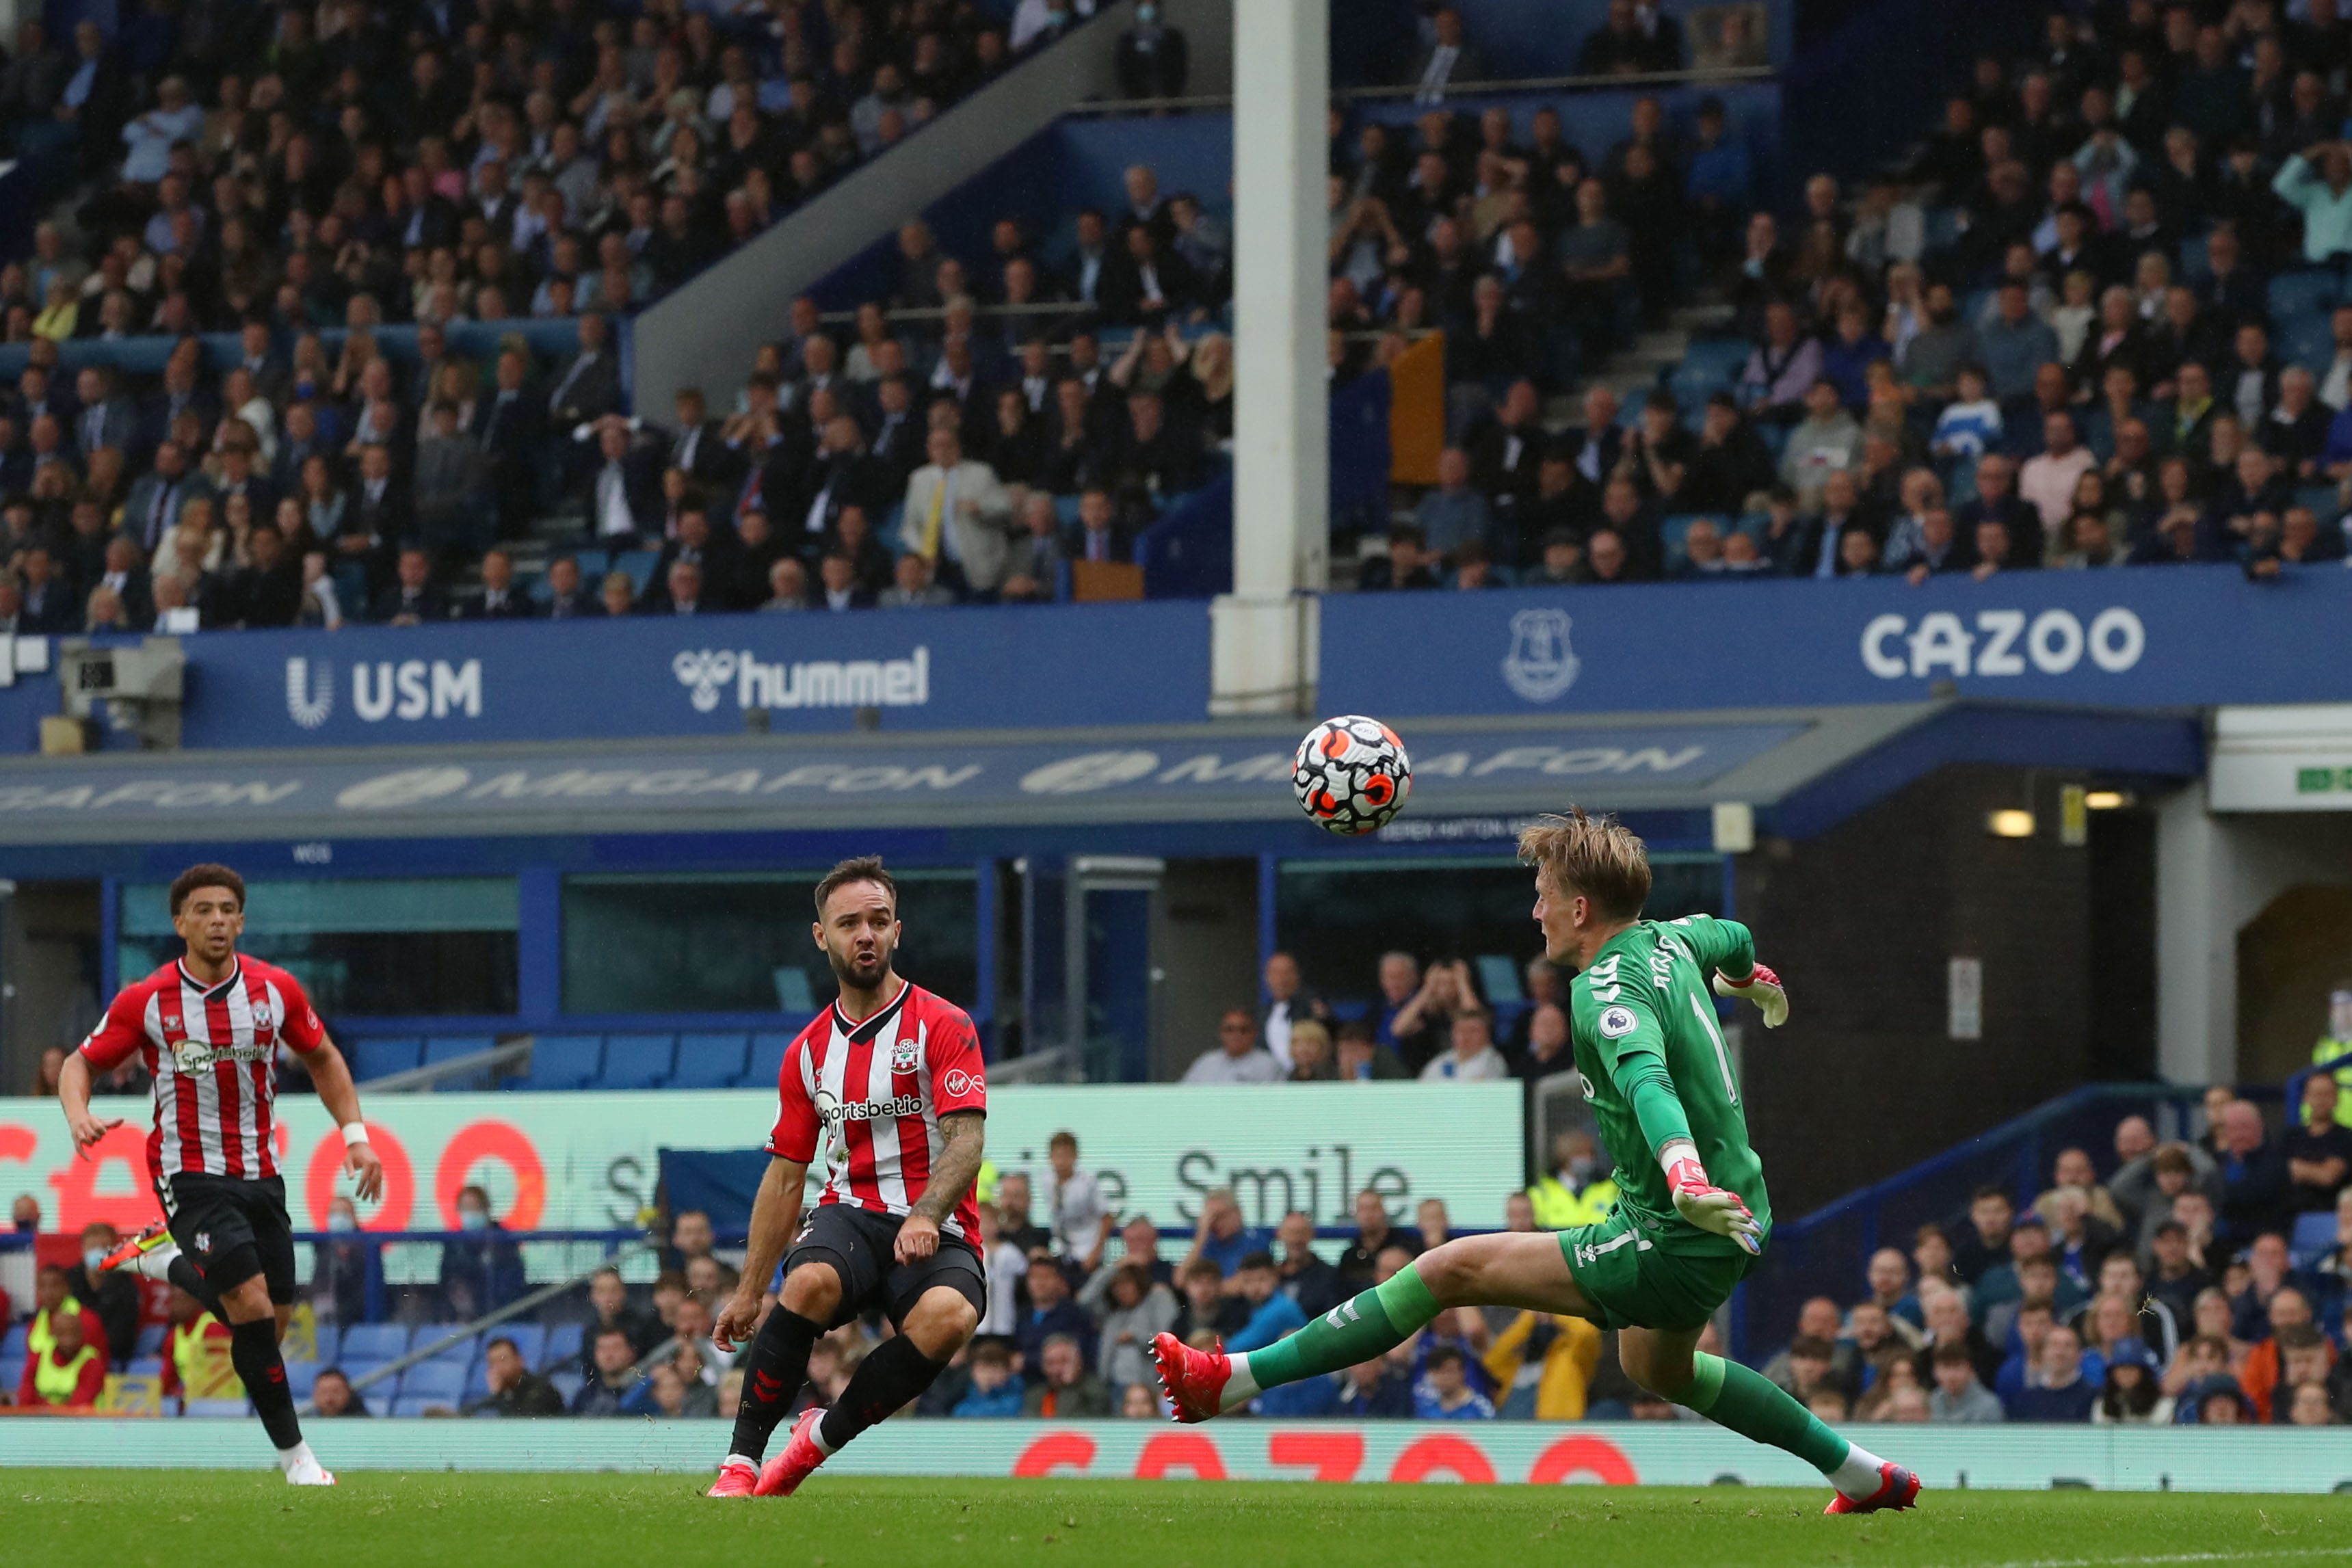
[(2200, 1281), (2094, 322)]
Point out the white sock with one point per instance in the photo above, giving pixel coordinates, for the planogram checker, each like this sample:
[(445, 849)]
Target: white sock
[(1240, 1386), (744, 1459), (299, 1454), (157, 1265), (1858, 1478)]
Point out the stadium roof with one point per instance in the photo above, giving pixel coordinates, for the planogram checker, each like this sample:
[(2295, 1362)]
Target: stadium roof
[(1807, 767)]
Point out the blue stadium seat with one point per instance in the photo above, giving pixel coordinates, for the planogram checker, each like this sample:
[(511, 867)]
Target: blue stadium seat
[(353, 1371), (708, 1060), (1673, 530), (2321, 499), (1066, 511), (638, 564), (12, 1372), (450, 1046), (767, 1060), (477, 1382), (529, 1340), (2307, 341), (218, 1409), (151, 1340), (408, 1408), (567, 1384), (151, 1367), (329, 1339), (2300, 293), (373, 1057), (300, 1378), (374, 1343), (1724, 358), (637, 1061), (2194, 262), (563, 1060), (562, 1347), (443, 1381), (460, 1351), (12, 1342), (2315, 1234), (1629, 412)]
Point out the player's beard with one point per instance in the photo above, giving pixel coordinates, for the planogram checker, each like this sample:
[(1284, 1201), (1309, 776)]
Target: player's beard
[(858, 974)]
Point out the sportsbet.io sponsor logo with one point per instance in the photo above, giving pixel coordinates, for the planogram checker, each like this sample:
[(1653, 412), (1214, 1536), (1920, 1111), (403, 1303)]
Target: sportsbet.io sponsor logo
[(709, 673), (2001, 643)]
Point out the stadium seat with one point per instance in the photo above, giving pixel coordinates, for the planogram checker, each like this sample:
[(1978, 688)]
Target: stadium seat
[(12, 1343), (450, 1046), (567, 1384), (300, 1378), (149, 1367), (217, 1409), (637, 1061), (151, 1340), (374, 1343), (443, 1381), (2315, 1234), (460, 1351), (563, 1346), (477, 1382), (708, 1060), (638, 564), (529, 1340), (407, 1407), (2308, 341), (2301, 293), (563, 1060), (1724, 359), (373, 1057), (12, 1372), (329, 1339), (2321, 499), (767, 1060), (355, 1371), (2195, 262)]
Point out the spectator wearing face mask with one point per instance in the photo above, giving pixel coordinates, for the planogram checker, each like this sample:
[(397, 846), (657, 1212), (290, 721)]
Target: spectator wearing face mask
[(1578, 1189), (480, 1270), (339, 1269), (110, 1299)]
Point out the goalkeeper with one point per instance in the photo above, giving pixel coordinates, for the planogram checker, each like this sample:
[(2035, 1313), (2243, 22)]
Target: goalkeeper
[(1693, 1216)]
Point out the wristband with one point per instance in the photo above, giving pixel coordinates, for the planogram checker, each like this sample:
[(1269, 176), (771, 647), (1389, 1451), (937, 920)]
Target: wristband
[(354, 1134)]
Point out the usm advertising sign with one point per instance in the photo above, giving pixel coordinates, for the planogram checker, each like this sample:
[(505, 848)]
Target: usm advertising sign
[(587, 1161), (2133, 637), (687, 675)]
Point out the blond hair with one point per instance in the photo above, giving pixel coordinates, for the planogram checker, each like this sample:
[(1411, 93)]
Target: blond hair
[(1599, 857)]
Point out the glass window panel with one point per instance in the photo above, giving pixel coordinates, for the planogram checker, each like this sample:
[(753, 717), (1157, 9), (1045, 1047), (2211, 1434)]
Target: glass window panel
[(377, 948), (740, 942), (1338, 916)]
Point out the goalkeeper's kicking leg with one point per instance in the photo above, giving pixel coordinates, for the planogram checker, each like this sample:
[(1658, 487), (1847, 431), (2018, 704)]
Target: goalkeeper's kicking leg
[(1528, 1270)]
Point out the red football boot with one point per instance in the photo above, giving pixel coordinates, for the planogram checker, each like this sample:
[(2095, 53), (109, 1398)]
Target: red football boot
[(734, 1480), (1195, 1379), (1898, 1489), (783, 1475)]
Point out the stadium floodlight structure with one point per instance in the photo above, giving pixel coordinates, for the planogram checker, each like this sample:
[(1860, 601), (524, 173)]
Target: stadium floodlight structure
[(1263, 654)]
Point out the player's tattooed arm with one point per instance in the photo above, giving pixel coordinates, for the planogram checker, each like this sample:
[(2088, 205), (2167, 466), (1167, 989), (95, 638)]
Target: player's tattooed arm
[(962, 1138)]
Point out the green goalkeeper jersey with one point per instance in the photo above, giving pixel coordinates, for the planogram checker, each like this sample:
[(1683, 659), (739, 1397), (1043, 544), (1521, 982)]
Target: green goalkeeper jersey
[(1655, 1067)]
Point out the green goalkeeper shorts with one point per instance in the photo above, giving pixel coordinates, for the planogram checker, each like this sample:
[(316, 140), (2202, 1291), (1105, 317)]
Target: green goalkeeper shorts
[(1632, 1282)]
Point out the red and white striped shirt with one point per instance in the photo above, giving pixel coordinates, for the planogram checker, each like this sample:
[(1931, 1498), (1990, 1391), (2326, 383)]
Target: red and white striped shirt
[(210, 1050), (878, 1089)]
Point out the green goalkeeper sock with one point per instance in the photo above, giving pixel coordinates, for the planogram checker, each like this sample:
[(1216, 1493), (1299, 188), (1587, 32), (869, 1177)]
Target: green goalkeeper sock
[(1756, 1407), (1356, 1331)]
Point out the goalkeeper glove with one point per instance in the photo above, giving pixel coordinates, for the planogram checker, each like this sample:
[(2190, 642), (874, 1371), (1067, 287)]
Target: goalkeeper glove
[(1705, 1205), (1761, 987)]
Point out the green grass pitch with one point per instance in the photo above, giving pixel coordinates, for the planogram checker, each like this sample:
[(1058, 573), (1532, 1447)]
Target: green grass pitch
[(131, 1519)]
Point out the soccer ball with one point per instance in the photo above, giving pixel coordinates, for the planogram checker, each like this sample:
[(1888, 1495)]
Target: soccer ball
[(1351, 774)]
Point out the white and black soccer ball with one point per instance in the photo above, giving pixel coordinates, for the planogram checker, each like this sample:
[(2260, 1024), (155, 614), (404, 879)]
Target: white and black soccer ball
[(1352, 775)]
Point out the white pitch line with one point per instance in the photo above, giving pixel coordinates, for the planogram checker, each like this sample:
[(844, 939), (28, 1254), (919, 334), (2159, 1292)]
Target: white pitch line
[(2174, 1557)]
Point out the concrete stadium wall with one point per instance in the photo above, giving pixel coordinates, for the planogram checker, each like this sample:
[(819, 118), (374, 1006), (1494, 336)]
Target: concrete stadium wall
[(1670, 1453)]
